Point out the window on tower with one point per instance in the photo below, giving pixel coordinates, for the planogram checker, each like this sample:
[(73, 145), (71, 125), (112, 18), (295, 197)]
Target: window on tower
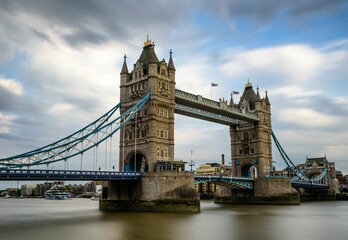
[(158, 152), (166, 152)]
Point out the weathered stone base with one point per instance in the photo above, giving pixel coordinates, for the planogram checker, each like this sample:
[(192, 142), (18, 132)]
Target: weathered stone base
[(266, 191), (342, 197), (317, 195), (156, 192), (150, 206), (275, 200)]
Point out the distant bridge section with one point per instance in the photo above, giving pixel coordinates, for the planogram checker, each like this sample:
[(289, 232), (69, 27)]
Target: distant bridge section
[(248, 183), (227, 181), (309, 185), (199, 107)]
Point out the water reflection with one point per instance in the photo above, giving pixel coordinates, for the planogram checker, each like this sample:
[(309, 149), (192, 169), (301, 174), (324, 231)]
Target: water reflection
[(81, 219)]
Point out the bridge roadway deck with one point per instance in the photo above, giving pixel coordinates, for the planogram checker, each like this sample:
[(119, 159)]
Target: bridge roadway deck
[(71, 175), (7, 174)]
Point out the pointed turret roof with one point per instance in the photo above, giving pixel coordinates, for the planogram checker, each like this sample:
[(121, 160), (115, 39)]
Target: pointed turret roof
[(148, 54), (171, 63), (258, 94), (249, 94), (267, 99), (124, 67), (231, 101)]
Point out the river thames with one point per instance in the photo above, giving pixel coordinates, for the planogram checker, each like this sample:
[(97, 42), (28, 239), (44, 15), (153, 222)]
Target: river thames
[(80, 219)]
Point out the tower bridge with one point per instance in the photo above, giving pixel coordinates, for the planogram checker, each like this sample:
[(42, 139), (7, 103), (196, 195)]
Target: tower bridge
[(148, 102)]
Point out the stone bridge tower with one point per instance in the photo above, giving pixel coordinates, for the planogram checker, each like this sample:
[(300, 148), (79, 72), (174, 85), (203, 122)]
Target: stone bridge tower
[(251, 143), (149, 137)]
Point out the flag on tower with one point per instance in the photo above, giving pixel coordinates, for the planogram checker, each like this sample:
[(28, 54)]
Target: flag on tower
[(214, 84), (235, 92)]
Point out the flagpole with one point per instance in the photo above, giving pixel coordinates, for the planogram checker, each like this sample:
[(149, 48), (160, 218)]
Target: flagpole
[(211, 89)]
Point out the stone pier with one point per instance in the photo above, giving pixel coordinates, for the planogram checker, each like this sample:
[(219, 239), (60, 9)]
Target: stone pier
[(317, 195), (266, 191), (155, 192)]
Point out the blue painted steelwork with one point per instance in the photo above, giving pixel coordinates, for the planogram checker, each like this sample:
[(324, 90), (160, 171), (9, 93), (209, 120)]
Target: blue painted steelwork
[(309, 185), (77, 143), (227, 181), (301, 180), (7, 174)]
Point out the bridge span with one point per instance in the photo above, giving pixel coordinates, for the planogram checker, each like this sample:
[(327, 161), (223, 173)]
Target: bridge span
[(65, 175), (7, 174)]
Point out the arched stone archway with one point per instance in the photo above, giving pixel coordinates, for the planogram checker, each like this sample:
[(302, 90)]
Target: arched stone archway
[(249, 170), (245, 170), (136, 163)]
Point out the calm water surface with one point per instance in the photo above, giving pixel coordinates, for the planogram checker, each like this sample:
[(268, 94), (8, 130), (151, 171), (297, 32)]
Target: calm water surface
[(80, 219)]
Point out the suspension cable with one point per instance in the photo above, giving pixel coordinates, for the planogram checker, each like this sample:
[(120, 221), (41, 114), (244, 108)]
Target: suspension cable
[(293, 167), (74, 144)]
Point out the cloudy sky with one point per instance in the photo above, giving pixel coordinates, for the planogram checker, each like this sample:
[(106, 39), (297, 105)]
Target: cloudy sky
[(60, 63)]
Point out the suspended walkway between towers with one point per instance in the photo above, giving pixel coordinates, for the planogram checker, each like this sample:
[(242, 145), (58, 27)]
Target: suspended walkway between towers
[(199, 107)]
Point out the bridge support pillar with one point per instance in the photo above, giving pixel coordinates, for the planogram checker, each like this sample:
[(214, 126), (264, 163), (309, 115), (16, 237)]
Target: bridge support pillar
[(266, 191), (317, 195), (320, 194), (156, 192)]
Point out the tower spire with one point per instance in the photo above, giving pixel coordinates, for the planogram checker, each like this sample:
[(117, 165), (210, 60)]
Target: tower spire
[(267, 99), (258, 94), (171, 63), (231, 100), (148, 41), (124, 67)]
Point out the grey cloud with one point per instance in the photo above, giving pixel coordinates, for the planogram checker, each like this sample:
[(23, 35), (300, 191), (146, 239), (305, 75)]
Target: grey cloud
[(83, 35), (94, 22), (41, 35), (326, 105), (265, 10), (8, 100), (7, 136), (29, 111)]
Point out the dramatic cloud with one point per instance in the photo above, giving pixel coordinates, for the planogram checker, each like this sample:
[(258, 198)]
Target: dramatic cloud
[(300, 64), (11, 86), (307, 117), (6, 122)]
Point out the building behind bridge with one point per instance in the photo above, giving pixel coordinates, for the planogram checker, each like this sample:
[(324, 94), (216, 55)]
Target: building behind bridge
[(206, 190), (314, 166)]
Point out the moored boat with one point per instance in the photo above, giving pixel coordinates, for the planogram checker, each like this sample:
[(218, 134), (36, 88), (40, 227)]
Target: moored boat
[(57, 192)]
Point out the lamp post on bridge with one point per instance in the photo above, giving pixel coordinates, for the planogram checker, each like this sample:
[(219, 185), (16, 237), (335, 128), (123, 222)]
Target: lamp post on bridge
[(191, 163)]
